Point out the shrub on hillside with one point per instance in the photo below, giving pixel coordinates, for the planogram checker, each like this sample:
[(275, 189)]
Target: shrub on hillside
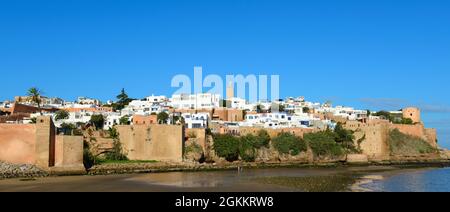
[(226, 146), (345, 138), (402, 144), (324, 144), (193, 148), (232, 148), (287, 143), (247, 148), (263, 139), (97, 120), (88, 157)]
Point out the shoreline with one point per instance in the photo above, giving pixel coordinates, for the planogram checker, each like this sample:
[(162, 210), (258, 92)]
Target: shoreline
[(183, 167), (162, 167)]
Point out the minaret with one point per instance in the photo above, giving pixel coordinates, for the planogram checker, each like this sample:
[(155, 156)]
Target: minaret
[(230, 91)]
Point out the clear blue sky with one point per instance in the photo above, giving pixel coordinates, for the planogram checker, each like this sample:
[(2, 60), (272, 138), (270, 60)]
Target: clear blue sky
[(369, 54)]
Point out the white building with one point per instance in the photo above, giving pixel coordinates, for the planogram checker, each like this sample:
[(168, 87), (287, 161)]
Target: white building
[(278, 120), (88, 101), (77, 105), (148, 106), (198, 120), (162, 100), (239, 103), (74, 118), (111, 119), (195, 101)]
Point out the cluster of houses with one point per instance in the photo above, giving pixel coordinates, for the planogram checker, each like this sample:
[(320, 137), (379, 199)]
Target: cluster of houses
[(204, 110)]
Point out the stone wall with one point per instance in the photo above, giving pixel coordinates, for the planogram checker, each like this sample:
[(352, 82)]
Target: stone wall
[(274, 132), (376, 133), (372, 139), (67, 152), (45, 142), (152, 142), (17, 143), (37, 144)]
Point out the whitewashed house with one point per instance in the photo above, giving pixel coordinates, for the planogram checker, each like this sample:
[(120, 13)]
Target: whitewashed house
[(195, 101)]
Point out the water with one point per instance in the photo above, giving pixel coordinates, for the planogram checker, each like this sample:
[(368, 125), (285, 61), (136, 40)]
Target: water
[(418, 180), (385, 179)]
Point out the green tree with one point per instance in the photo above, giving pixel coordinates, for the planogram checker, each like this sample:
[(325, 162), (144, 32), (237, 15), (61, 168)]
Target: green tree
[(124, 120), (61, 114), (35, 96), (226, 146), (116, 153), (67, 129), (162, 118), (259, 108), (323, 143), (407, 121), (122, 100), (113, 133), (175, 119), (281, 108), (247, 147), (306, 109), (287, 143), (344, 137), (263, 139), (97, 120)]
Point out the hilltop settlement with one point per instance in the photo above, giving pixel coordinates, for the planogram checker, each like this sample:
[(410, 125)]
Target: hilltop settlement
[(41, 136)]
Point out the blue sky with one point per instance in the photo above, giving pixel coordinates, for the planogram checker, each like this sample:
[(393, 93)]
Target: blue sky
[(376, 54)]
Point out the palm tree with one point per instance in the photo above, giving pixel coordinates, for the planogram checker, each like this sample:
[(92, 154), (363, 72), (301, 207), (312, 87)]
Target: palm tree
[(35, 96)]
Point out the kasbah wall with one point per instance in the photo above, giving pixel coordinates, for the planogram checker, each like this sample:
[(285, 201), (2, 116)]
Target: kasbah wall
[(376, 132), (373, 137), (275, 132), (39, 145), (152, 142)]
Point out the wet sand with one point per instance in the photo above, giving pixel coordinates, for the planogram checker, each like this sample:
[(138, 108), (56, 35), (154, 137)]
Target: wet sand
[(215, 181)]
